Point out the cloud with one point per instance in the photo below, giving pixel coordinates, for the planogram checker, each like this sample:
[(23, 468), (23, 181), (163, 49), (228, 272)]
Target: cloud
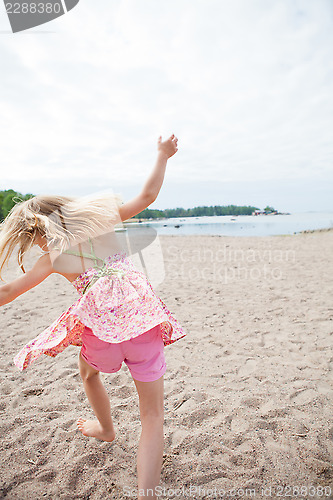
[(247, 87)]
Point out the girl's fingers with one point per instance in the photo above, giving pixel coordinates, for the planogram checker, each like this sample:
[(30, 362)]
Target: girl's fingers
[(172, 139)]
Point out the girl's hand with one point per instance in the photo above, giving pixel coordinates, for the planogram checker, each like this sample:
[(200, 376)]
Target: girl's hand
[(168, 147)]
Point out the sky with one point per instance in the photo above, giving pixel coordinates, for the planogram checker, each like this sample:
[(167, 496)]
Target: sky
[(245, 85)]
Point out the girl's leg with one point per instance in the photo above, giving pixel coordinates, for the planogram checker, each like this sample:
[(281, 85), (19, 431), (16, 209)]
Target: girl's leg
[(150, 452), (99, 400)]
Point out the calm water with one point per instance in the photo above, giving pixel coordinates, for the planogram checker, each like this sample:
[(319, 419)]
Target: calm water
[(243, 225)]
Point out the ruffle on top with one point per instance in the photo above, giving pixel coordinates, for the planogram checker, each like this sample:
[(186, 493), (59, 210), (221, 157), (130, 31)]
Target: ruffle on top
[(117, 302)]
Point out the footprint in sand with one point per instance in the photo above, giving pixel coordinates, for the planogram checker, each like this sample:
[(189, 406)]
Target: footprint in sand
[(303, 396), (47, 476), (199, 415), (6, 389), (32, 392), (325, 388), (51, 415), (249, 367), (239, 425), (251, 402), (266, 425)]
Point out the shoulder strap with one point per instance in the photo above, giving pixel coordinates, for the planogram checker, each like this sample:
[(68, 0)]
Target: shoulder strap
[(81, 257), (93, 255)]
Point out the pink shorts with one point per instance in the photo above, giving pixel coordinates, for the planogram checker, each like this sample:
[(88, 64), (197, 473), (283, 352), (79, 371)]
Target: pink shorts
[(144, 355)]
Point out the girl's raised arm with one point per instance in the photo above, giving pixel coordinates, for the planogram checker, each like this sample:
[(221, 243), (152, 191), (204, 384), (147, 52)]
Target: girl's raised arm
[(153, 185), (41, 270)]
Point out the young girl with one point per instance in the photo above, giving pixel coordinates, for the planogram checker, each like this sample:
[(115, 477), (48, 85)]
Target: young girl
[(118, 316)]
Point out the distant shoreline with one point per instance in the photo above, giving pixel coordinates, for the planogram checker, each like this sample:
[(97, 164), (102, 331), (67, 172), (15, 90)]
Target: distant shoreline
[(323, 230), (307, 231), (235, 226)]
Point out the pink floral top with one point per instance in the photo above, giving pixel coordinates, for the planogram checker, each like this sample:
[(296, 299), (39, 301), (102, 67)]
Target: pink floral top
[(117, 302)]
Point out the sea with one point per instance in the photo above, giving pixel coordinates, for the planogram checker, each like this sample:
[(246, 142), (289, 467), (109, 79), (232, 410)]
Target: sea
[(241, 225)]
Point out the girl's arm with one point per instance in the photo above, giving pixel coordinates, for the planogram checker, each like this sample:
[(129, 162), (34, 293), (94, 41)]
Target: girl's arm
[(153, 185), (41, 270)]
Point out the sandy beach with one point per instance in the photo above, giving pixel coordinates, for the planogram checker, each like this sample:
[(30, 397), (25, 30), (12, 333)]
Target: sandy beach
[(248, 391)]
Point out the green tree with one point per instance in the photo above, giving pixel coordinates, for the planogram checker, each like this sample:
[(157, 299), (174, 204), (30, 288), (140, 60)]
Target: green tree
[(196, 211), (8, 198), (8, 202)]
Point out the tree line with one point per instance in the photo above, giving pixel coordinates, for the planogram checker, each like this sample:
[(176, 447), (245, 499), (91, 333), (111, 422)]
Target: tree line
[(8, 199), (196, 211)]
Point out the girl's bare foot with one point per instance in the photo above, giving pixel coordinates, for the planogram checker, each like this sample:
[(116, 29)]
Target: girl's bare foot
[(92, 428)]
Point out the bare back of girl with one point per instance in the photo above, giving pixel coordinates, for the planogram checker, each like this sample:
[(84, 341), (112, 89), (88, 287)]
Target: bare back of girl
[(85, 255)]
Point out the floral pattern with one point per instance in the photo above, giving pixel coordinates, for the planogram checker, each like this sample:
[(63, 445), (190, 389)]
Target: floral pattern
[(118, 304)]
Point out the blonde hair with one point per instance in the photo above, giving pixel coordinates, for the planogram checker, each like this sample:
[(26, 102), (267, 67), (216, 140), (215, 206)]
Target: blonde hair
[(64, 221)]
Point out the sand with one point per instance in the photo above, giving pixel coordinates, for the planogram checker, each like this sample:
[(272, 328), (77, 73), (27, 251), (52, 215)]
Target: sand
[(248, 392)]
